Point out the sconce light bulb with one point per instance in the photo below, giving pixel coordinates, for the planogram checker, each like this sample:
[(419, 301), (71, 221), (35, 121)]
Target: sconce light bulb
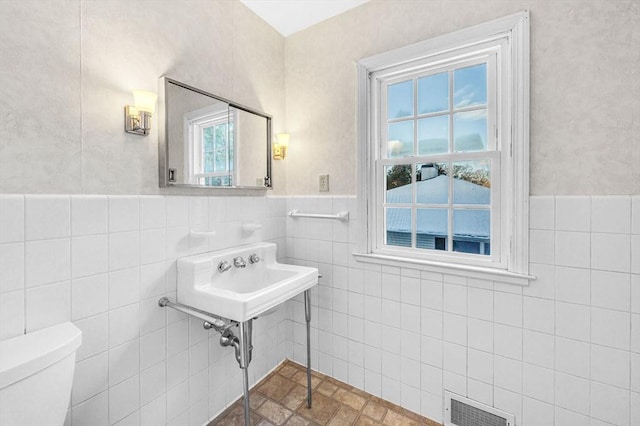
[(145, 101), (283, 139)]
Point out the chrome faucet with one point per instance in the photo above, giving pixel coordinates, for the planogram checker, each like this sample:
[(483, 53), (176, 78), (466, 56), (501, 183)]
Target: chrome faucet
[(223, 266), (253, 258), (239, 262)]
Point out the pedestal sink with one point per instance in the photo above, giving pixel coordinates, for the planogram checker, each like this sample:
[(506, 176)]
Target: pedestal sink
[(240, 283)]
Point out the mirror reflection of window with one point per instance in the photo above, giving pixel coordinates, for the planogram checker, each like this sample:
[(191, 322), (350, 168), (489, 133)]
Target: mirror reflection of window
[(210, 156)]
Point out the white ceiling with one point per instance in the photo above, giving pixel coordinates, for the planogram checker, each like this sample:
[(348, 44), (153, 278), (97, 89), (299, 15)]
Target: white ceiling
[(290, 16)]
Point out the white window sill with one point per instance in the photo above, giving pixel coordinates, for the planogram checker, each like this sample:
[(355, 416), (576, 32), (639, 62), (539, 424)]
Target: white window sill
[(479, 272)]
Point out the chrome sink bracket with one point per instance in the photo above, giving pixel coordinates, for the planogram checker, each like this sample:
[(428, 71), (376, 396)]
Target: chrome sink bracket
[(307, 317)]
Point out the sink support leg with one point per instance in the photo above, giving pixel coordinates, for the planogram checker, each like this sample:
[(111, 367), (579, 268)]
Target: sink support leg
[(244, 360), (307, 315)]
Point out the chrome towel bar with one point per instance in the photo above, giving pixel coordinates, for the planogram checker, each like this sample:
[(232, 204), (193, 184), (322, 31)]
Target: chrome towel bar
[(216, 322), (341, 216)]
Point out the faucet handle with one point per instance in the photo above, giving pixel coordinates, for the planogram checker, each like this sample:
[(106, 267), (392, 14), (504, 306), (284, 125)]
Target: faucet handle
[(253, 258), (239, 262), (223, 266)]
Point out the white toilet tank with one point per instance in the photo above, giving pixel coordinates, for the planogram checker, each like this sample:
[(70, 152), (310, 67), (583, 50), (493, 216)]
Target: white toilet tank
[(36, 374)]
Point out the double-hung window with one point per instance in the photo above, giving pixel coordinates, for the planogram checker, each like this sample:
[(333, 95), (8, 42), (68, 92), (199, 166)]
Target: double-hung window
[(444, 151), (209, 156)]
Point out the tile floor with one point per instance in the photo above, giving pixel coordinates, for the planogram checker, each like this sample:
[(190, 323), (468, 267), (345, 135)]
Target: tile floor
[(280, 399)]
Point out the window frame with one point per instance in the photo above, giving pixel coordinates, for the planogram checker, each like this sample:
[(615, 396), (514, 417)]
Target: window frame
[(509, 38), (194, 123)]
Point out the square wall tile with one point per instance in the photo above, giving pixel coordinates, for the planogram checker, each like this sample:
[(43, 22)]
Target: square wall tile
[(572, 393), (573, 285), (153, 212), (124, 250), (610, 404), (94, 411), (480, 366), (480, 303), (611, 252), (89, 255), (610, 366), (88, 215), (538, 382), (124, 399), (507, 341), (48, 305), (95, 335), (541, 246), (153, 244), (610, 290), (480, 334), (123, 325), (124, 287), (573, 249), (507, 309), (536, 412), (90, 378), (47, 216), (538, 348), (89, 296), (611, 328), (539, 314), (611, 214), (124, 213), (573, 321), (542, 212), (124, 362), (507, 373), (455, 299), (572, 357), (47, 261), (11, 218), (573, 213), (544, 285)]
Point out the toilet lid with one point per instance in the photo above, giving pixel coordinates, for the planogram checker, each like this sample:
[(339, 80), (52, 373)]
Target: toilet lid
[(25, 355)]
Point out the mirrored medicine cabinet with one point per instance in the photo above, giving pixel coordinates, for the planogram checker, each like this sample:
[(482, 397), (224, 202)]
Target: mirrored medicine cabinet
[(206, 141)]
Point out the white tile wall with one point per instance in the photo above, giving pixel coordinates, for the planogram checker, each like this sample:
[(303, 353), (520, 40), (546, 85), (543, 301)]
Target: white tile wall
[(103, 262), (557, 352), (564, 350)]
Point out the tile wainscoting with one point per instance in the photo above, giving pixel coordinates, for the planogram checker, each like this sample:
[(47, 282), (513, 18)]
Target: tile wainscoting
[(564, 350)]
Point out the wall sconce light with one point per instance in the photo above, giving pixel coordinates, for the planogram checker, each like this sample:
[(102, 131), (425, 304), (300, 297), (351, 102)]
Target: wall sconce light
[(280, 146), (137, 118)]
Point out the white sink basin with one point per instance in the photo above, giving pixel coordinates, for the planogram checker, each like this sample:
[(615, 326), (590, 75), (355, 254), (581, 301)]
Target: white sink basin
[(240, 294)]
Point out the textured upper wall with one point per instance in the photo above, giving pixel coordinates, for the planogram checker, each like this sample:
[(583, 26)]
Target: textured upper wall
[(67, 68), (585, 88)]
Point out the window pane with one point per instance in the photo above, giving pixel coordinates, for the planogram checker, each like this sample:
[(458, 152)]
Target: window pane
[(207, 135), (400, 139), (208, 162), (432, 183), (470, 86), (471, 231), (398, 184), (398, 227), (400, 100), (432, 229), (472, 182), (470, 131), (433, 135), (433, 93)]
